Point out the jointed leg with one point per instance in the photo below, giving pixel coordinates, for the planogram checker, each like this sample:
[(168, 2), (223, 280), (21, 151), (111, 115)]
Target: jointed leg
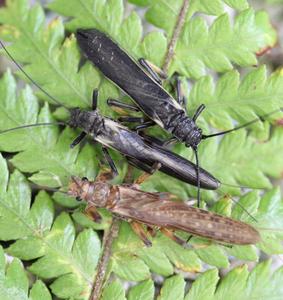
[(145, 125), (145, 176), (169, 233), (198, 112), (159, 142), (104, 176), (181, 99), (171, 141), (131, 119), (110, 161), (151, 231), (93, 214), (179, 94), (115, 103), (154, 71), (78, 139), (139, 230), (94, 99), (139, 165), (82, 135)]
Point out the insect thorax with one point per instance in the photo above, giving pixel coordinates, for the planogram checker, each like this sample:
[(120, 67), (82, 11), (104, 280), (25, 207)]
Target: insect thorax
[(99, 194), (95, 193), (185, 129), (90, 122)]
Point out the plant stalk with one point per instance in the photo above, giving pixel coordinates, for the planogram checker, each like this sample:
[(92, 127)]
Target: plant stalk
[(176, 32), (108, 239)]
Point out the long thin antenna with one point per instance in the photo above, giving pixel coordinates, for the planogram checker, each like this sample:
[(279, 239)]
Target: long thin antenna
[(241, 206), (55, 190), (242, 186), (241, 126), (28, 76), (32, 125)]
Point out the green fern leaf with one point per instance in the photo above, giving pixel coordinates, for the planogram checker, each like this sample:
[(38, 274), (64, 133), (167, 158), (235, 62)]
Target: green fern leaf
[(243, 153), (44, 153), (114, 291), (36, 46), (14, 283), (104, 15), (204, 286), (142, 291), (173, 288), (59, 255), (140, 2), (237, 4), (221, 45), (43, 149), (241, 100), (237, 284), (198, 48)]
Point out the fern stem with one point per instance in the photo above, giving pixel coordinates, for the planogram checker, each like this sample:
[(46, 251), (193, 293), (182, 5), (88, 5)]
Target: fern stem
[(176, 32), (108, 239)]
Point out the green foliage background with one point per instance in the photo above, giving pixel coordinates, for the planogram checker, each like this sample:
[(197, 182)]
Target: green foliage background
[(60, 247)]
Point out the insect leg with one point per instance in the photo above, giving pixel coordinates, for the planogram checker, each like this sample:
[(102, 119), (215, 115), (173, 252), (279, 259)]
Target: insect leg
[(198, 112), (149, 170), (131, 119), (139, 230), (110, 161), (188, 239), (145, 125), (153, 71), (93, 214), (181, 99), (171, 141), (82, 62), (94, 99), (146, 168), (104, 176), (169, 233), (151, 231), (157, 141), (116, 103), (78, 139), (151, 139), (138, 164), (145, 176)]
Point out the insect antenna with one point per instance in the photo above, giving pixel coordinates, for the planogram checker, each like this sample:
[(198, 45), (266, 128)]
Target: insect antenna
[(29, 77), (32, 125), (40, 88), (240, 205), (50, 189), (242, 186), (260, 118), (55, 190)]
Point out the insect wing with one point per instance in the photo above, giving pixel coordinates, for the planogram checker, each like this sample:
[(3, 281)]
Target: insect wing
[(183, 169), (131, 144), (148, 208), (123, 71)]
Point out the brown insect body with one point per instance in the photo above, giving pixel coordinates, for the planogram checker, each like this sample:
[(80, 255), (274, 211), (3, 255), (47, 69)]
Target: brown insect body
[(157, 210)]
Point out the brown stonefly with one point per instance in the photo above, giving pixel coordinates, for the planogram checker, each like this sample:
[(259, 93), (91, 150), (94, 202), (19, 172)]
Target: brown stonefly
[(148, 212)]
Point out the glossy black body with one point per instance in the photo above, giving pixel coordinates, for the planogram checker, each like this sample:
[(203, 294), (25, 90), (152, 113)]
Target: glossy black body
[(113, 135), (149, 95)]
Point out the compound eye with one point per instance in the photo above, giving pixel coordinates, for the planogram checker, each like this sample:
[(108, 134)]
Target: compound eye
[(78, 198), (84, 179)]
